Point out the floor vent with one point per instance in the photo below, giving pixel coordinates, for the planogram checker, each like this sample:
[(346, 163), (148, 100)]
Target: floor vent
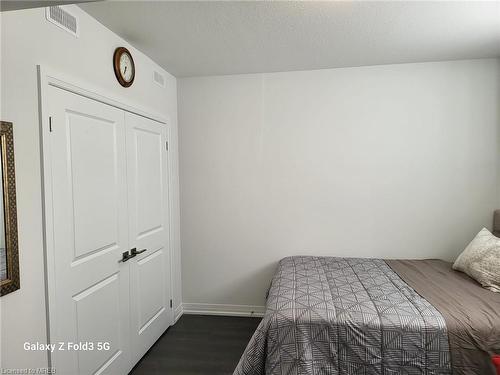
[(159, 79), (62, 18)]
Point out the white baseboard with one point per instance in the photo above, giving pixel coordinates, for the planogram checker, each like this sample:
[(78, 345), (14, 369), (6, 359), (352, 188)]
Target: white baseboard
[(178, 313), (224, 310)]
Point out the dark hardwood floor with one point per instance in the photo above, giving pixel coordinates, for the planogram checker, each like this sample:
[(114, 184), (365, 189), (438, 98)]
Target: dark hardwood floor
[(208, 345)]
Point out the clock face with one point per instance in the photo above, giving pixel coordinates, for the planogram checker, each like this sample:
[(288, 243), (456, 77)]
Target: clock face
[(124, 66)]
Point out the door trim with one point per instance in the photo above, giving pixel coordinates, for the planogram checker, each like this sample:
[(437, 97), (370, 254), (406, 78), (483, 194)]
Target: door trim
[(46, 78)]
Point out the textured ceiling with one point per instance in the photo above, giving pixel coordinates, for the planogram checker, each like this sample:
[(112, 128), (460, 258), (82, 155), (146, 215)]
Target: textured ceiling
[(7, 5), (195, 38)]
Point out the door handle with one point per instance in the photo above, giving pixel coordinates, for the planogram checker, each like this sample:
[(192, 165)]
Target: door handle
[(126, 256), (134, 251)]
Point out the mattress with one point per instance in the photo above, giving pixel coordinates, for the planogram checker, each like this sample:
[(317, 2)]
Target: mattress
[(327, 315)]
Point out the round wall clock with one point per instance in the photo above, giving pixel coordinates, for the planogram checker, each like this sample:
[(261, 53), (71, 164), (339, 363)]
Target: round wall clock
[(124, 66)]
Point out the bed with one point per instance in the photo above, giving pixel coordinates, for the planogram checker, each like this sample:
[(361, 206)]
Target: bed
[(328, 315)]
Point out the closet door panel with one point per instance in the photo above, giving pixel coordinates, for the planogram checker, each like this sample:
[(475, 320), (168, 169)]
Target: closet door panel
[(90, 229), (93, 166), (147, 176), (98, 322), (149, 185), (149, 289)]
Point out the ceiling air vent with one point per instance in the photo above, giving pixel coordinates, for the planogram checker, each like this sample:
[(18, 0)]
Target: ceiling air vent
[(62, 18), (159, 79)]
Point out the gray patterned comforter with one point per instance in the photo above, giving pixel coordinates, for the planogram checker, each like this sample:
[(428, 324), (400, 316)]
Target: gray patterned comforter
[(346, 316)]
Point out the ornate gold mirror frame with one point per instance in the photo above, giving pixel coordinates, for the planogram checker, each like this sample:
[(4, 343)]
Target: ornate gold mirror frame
[(11, 282)]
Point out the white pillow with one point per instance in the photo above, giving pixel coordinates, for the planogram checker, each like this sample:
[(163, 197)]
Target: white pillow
[(481, 260)]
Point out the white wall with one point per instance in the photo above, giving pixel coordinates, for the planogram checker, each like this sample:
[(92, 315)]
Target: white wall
[(396, 161), (28, 39)]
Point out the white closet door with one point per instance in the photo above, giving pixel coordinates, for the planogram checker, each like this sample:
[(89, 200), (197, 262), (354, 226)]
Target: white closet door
[(149, 231), (90, 229)]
